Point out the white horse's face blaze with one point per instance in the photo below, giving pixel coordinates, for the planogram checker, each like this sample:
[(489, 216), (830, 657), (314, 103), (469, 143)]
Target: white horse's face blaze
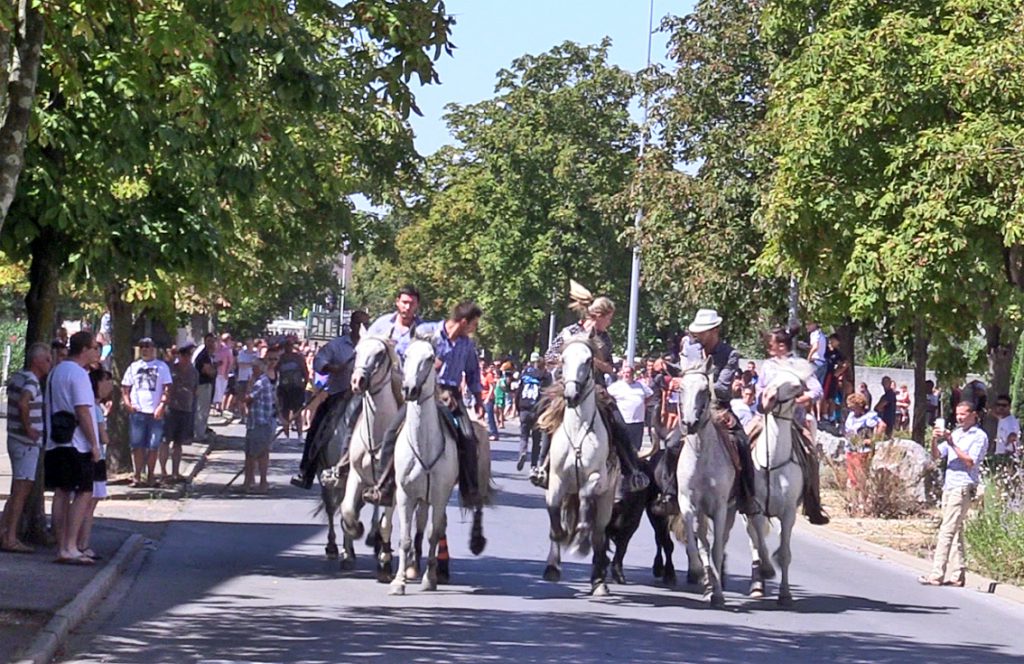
[(371, 355), (419, 360), (577, 371), (694, 399)]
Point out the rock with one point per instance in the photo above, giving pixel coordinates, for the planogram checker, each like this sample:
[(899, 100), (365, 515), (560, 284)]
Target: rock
[(831, 446), (908, 461)]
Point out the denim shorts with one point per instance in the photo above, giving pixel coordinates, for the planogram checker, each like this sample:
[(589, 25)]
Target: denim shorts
[(145, 431)]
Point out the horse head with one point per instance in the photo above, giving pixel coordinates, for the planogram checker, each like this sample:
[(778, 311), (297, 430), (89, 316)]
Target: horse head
[(374, 357), (695, 395), (577, 370), (788, 383), (418, 370)]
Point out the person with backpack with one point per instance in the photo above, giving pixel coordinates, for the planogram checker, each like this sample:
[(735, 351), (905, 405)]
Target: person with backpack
[(534, 379)]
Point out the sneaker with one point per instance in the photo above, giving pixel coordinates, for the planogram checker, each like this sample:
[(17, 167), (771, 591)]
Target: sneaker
[(539, 477), (521, 462)]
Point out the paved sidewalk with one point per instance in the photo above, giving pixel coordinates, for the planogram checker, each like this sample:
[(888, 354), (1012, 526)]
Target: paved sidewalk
[(33, 589)]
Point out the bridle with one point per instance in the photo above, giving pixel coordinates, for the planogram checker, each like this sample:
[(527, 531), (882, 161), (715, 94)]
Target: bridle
[(585, 388)]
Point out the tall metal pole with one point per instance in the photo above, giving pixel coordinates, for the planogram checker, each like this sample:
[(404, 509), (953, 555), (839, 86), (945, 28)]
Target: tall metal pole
[(634, 275)]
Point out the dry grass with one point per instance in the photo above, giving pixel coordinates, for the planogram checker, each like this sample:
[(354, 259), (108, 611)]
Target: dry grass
[(913, 535)]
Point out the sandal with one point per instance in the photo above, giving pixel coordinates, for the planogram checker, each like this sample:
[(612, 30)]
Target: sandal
[(17, 547), (79, 560), (955, 584), (929, 581)]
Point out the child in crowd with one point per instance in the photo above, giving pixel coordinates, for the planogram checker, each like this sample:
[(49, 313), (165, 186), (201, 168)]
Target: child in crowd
[(259, 427)]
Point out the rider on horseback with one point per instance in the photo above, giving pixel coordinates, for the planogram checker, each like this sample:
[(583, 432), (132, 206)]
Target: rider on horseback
[(595, 318), (780, 345), (456, 357), (706, 332)]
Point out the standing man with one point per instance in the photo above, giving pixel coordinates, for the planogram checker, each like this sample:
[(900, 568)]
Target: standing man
[(534, 380), (72, 445), (224, 360), (246, 356), (24, 438), (399, 326), (334, 360), (181, 402), (818, 346), (144, 396), (631, 397), (1008, 429), (886, 406), (963, 450), (204, 391)]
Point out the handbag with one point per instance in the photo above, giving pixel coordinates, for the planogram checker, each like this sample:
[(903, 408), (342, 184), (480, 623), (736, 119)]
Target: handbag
[(62, 423)]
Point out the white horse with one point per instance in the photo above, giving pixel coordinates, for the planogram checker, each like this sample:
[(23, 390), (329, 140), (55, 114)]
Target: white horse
[(778, 478), (426, 465), (582, 484), (705, 474), (375, 379)]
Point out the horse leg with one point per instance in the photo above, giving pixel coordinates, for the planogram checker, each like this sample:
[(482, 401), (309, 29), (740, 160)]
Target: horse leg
[(348, 554), (663, 568), (437, 526), (712, 584), (413, 569), (694, 566), (554, 498), (720, 525), (350, 505), (374, 534), (405, 508), (585, 527), (330, 508), (760, 560), (385, 569), (599, 565), (783, 555)]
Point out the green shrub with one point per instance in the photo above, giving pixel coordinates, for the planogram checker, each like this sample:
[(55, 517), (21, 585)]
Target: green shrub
[(12, 333), (995, 534)]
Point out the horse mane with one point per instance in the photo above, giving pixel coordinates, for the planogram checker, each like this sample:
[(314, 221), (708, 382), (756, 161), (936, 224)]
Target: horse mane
[(554, 395)]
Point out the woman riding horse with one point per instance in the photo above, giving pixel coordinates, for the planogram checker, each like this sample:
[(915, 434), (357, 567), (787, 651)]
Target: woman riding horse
[(595, 318), (779, 345)]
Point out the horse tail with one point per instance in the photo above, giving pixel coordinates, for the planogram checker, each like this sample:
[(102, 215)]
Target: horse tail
[(677, 527), (331, 494), (570, 516), (488, 488)]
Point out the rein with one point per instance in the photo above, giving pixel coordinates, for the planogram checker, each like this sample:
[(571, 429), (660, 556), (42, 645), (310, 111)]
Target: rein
[(370, 407), (769, 469), (427, 467)]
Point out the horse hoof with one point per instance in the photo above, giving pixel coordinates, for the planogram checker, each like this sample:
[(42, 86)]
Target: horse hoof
[(397, 589), (756, 591), (600, 589), (716, 601), (412, 573), (785, 601), (428, 583), (332, 551), (658, 569), (477, 544), (767, 570), (384, 573), (443, 571), (617, 575), (348, 563), (669, 579), (552, 574)]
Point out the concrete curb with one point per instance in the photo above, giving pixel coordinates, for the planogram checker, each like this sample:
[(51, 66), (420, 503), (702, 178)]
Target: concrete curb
[(53, 634), (975, 581)]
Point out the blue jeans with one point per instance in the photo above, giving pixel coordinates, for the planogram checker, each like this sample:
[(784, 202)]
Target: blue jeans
[(492, 424), (144, 431)]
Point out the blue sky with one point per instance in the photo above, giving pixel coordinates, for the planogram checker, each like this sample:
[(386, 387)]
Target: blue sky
[(490, 34)]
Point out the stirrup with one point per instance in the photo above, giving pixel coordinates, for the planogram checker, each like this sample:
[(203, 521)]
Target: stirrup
[(539, 477), (638, 481)]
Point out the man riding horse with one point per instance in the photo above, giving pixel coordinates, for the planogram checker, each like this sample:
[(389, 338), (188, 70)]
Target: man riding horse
[(595, 318), (705, 330), (456, 357)]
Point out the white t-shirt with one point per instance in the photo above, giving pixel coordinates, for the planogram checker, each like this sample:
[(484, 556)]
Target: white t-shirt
[(245, 359), (743, 412), (819, 354), (629, 397), (69, 386), (869, 419), (147, 381), (1007, 425)]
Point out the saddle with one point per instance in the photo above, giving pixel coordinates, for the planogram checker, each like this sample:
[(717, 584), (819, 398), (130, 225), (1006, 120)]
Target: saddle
[(723, 421), (756, 425)]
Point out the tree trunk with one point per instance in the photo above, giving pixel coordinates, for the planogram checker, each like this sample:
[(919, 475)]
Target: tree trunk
[(41, 310), (920, 351), (21, 92), (1000, 360), (119, 457), (847, 333)]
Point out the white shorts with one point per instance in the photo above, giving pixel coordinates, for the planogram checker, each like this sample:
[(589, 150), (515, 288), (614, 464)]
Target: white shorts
[(220, 386), (99, 489), (24, 460)]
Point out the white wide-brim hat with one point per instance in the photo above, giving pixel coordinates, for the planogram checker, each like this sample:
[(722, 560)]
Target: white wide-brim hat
[(706, 319)]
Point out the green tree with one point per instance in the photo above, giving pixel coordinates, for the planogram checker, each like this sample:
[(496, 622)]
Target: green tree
[(895, 131), (530, 196)]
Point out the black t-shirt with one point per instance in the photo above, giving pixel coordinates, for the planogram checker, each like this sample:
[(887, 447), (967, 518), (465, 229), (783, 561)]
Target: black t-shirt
[(202, 360), (886, 408)]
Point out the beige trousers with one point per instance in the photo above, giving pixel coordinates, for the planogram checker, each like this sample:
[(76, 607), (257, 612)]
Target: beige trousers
[(949, 550)]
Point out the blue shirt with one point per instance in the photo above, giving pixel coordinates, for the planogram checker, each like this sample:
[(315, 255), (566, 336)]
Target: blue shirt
[(387, 327), (974, 442), (457, 357), (339, 351)]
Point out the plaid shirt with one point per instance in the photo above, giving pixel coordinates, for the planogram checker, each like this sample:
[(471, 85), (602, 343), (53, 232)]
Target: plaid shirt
[(262, 410)]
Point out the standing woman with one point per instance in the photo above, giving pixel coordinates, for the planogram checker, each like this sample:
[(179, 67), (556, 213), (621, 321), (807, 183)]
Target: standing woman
[(779, 344), (596, 315)]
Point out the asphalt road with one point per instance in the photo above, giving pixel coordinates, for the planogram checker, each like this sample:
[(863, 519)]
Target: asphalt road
[(243, 578)]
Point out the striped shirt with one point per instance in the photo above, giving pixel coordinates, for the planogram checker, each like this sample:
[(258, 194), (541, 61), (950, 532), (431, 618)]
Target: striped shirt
[(261, 410), (16, 387), (458, 356)]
